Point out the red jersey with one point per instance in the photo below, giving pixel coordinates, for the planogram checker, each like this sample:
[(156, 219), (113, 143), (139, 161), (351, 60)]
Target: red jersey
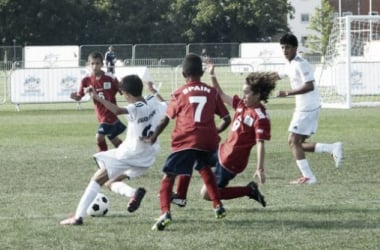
[(107, 87), (193, 106), (249, 125)]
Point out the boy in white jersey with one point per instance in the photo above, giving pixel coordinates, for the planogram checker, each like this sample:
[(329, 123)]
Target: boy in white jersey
[(304, 122), (133, 157)]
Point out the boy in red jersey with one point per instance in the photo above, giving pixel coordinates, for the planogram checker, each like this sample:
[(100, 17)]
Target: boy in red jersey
[(250, 126), (106, 86), (194, 137)]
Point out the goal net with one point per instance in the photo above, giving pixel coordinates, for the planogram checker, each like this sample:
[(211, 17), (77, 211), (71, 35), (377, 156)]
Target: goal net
[(350, 73)]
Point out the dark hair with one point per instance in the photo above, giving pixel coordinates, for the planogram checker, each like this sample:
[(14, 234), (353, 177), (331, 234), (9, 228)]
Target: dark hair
[(262, 83), (131, 84), (289, 39), (96, 55), (192, 65)]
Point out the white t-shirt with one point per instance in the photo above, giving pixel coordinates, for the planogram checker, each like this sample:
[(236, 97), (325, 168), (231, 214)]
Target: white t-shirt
[(142, 120), (299, 72)]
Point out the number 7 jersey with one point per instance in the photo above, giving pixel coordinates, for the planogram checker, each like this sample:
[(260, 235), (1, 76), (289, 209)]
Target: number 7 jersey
[(193, 106)]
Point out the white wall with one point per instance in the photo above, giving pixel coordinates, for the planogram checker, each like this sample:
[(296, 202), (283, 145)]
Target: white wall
[(298, 26)]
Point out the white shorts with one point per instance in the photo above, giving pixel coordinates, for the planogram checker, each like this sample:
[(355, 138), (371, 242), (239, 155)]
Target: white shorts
[(116, 167), (304, 122)]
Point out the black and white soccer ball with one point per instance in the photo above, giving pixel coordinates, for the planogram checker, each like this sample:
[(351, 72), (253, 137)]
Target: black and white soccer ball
[(99, 207)]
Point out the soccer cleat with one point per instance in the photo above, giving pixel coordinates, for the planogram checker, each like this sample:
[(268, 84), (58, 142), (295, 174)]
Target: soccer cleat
[(255, 194), (162, 222), (337, 153), (178, 201), (220, 212), (134, 202), (304, 180), (72, 221)]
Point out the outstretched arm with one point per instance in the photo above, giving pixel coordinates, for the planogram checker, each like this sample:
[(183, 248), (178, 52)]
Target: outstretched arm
[(154, 91), (226, 98), (260, 162), (109, 105)]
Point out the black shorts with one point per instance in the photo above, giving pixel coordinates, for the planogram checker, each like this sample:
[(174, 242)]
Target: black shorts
[(222, 175), (111, 130), (183, 162)]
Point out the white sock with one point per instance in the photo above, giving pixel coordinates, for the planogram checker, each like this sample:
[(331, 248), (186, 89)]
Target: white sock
[(88, 196), (305, 169), (122, 188), (323, 148)]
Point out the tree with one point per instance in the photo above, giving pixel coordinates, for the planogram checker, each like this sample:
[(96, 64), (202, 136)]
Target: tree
[(45, 22), (321, 23), (228, 20)]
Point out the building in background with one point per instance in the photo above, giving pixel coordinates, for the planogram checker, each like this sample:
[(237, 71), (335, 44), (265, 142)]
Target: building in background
[(305, 9)]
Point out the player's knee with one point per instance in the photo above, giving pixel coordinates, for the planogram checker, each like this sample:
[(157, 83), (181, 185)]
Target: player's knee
[(204, 194)]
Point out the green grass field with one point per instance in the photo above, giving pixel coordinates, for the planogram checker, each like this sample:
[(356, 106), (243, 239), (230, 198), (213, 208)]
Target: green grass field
[(46, 162)]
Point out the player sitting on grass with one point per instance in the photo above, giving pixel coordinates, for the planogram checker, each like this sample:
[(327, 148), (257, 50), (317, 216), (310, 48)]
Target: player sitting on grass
[(133, 157)]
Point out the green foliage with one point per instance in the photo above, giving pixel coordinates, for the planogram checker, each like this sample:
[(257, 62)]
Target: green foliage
[(322, 23), (46, 162), (43, 22)]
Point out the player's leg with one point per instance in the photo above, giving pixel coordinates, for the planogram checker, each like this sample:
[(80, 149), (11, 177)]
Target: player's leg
[(166, 189), (333, 149), (302, 126), (113, 132), (101, 142), (183, 183), (209, 181), (99, 178), (295, 144)]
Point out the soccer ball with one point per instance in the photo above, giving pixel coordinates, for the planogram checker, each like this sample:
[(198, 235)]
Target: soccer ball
[(99, 207)]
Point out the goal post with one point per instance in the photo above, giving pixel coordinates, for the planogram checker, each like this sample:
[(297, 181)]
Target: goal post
[(349, 75)]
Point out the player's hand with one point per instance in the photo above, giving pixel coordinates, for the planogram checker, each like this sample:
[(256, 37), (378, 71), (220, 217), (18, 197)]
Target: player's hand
[(91, 91), (260, 175), (210, 66), (282, 93), (74, 96), (151, 87), (148, 139)]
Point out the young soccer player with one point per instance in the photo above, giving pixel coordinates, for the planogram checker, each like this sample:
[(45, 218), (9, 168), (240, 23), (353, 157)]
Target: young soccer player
[(194, 137), (133, 157), (304, 122), (106, 86), (250, 126)]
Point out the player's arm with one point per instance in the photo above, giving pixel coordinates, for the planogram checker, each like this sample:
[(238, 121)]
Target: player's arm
[(260, 161), (160, 127), (226, 98), (75, 96), (305, 88), (224, 124), (154, 91), (109, 105)]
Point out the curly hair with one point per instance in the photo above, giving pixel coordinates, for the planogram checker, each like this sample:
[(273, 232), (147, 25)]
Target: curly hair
[(263, 83)]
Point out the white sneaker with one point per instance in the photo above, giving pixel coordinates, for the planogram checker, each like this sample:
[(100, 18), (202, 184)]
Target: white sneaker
[(305, 180), (337, 153)]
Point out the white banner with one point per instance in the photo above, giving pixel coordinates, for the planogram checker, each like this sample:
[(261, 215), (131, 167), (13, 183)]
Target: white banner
[(51, 56), (50, 85)]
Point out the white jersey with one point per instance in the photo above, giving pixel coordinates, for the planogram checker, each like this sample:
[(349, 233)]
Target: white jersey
[(143, 119), (299, 72), (133, 153)]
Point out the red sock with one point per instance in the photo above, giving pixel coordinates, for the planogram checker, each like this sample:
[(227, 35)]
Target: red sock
[(228, 193), (102, 146), (183, 183), (210, 182), (166, 190)]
